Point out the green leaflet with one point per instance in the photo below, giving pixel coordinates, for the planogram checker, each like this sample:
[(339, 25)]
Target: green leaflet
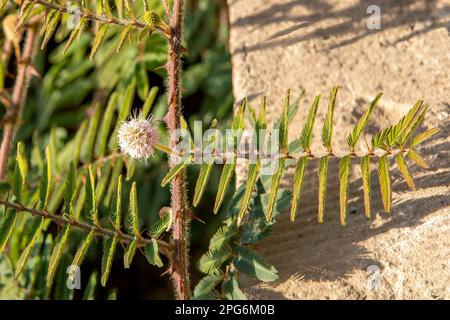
[(88, 143), (78, 141), (365, 173), (405, 172), (307, 132), (20, 172), (100, 188), (118, 165), (9, 221), (37, 229), (385, 182), (123, 35), (118, 212), (134, 210), (50, 26), (344, 174), (284, 125), (253, 171), (213, 259), (424, 136), (69, 187), (130, 252), (75, 32), (98, 39), (205, 171), (173, 172), (131, 169), (149, 101), (417, 159), (222, 236), (88, 293), (323, 174), (327, 131), (163, 224), (81, 252), (250, 263), (361, 125), (106, 125), (230, 288), (418, 119), (298, 182), (152, 254), (274, 189), (224, 183), (109, 249), (56, 255), (91, 203), (207, 284), (45, 183)]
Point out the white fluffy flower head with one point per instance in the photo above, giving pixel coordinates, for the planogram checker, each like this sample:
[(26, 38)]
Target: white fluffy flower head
[(138, 138)]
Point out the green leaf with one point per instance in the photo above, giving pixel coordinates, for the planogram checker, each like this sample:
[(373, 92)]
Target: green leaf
[(417, 159), (353, 137), (91, 201), (90, 287), (224, 183), (327, 131), (385, 182), (307, 132), (213, 259), (253, 171), (323, 174), (205, 172), (134, 210), (405, 172), (118, 212), (106, 125), (123, 35), (98, 39), (222, 236), (230, 288), (173, 172), (69, 186), (81, 252), (50, 26), (276, 179), (149, 101), (284, 125), (9, 221), (152, 254), (163, 224), (75, 32), (37, 229), (207, 284), (422, 137), (20, 172), (130, 252), (56, 255), (298, 182), (250, 263), (344, 174), (365, 173), (78, 141), (109, 249), (45, 183), (88, 143)]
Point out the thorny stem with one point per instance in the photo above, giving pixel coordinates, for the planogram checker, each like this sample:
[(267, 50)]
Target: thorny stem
[(180, 233), (18, 97), (63, 221)]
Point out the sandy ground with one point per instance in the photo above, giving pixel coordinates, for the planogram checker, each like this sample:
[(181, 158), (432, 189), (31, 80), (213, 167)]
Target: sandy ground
[(317, 44)]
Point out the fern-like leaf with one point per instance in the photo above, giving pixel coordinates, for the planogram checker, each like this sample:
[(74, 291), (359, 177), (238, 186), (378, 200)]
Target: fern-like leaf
[(327, 131), (298, 183), (152, 254), (307, 132), (56, 255), (385, 182), (405, 172), (323, 174), (365, 173), (344, 174), (250, 263)]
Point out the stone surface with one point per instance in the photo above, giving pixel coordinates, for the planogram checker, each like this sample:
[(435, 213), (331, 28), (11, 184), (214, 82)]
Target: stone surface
[(317, 44)]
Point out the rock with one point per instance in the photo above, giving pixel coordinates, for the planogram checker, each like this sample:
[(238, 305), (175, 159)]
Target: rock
[(317, 44)]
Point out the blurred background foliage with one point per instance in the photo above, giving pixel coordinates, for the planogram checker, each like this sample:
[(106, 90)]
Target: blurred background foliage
[(68, 94)]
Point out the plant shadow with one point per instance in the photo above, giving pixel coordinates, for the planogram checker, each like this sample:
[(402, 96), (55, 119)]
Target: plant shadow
[(347, 25)]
